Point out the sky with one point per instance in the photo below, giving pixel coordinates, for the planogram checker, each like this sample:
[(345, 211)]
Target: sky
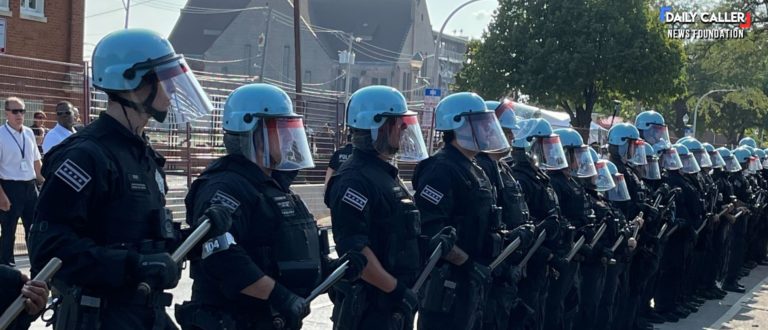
[(104, 16)]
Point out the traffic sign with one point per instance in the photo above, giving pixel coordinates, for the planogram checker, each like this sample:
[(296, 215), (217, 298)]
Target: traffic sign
[(433, 92)]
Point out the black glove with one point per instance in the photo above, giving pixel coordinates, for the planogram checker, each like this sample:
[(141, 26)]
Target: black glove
[(220, 218), (525, 233), (558, 263), (508, 274), (478, 273), (290, 306), (404, 299), (447, 237), (650, 211), (357, 262), (158, 270)]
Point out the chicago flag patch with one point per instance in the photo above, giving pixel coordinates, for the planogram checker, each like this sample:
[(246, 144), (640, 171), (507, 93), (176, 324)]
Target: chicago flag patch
[(355, 199), (431, 195), (73, 175), (225, 200)]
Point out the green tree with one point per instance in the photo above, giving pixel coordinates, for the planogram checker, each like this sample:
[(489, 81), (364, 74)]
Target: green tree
[(573, 53)]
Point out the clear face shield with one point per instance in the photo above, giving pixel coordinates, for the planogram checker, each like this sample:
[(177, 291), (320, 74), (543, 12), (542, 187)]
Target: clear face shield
[(717, 160), (765, 162), (401, 138), (548, 153), (581, 162), (670, 160), (635, 152), (603, 181), (620, 193), (481, 132), (753, 165), (657, 136), (702, 157), (690, 165), (186, 99), (280, 143), (650, 171), (732, 164)]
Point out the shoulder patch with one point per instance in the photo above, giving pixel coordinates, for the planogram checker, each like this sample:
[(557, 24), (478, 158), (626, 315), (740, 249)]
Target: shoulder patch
[(431, 194), (355, 199), (73, 175), (226, 200)]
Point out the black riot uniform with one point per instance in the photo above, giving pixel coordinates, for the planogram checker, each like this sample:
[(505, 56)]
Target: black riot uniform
[(615, 290), (503, 302), (563, 298), (721, 243), (272, 233), (371, 207), (101, 207), (593, 268), (743, 192), (644, 263), (544, 211), (451, 190), (669, 291), (703, 255), (340, 156)]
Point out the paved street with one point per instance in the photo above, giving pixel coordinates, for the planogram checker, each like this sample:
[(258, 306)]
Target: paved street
[(748, 311)]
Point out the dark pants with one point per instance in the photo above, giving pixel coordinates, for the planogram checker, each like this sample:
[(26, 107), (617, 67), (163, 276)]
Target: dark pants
[(592, 282), (561, 302), (532, 290), (669, 282), (738, 247), (23, 197), (643, 267), (607, 307)]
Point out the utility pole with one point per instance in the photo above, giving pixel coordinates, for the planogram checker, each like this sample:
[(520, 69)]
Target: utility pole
[(297, 55), (348, 75), (127, 12), (266, 42)]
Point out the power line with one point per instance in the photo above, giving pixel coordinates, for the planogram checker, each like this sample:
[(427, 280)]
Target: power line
[(118, 9)]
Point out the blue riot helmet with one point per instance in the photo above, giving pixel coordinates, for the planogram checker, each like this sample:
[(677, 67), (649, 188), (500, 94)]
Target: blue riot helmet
[(594, 155), (545, 146), (731, 163), (668, 157), (753, 151), (698, 151), (577, 153), (765, 160), (651, 170), (653, 129), (505, 112), (139, 69), (745, 158), (474, 127), (717, 160), (626, 139), (619, 193), (268, 131), (748, 141), (395, 131), (690, 166)]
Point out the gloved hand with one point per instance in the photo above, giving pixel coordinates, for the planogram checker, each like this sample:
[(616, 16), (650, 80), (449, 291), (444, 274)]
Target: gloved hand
[(478, 273), (220, 219), (558, 263), (650, 211), (525, 233), (514, 274), (357, 262), (404, 299), (158, 270), (290, 306), (447, 236)]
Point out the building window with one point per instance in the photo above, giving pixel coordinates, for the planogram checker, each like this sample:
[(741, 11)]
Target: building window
[(383, 81), (355, 84), (374, 81), (308, 76), (33, 7), (4, 5), (286, 63)]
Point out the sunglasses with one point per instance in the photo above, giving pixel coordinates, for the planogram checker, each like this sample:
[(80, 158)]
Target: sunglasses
[(16, 111), (64, 113)]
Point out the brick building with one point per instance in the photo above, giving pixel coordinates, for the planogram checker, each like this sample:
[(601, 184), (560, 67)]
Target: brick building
[(41, 51)]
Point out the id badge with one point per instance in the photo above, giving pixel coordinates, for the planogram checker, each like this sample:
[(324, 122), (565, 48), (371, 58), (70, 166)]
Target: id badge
[(24, 166)]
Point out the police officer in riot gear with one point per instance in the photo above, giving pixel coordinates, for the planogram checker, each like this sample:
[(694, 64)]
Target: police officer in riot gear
[(577, 217), (452, 190), (255, 274), (373, 212), (101, 211), (544, 210), (721, 231), (737, 163), (503, 301)]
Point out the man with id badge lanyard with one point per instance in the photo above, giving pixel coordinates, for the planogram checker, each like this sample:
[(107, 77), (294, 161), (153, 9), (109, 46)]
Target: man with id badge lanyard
[(19, 173)]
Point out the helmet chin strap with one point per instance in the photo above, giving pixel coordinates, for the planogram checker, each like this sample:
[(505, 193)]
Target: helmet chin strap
[(145, 106)]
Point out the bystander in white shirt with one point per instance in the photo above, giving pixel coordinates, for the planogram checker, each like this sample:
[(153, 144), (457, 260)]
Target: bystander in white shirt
[(55, 136), (18, 153)]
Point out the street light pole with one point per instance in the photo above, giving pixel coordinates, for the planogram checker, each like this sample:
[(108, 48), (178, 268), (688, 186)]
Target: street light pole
[(127, 12), (696, 109), (438, 41)]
